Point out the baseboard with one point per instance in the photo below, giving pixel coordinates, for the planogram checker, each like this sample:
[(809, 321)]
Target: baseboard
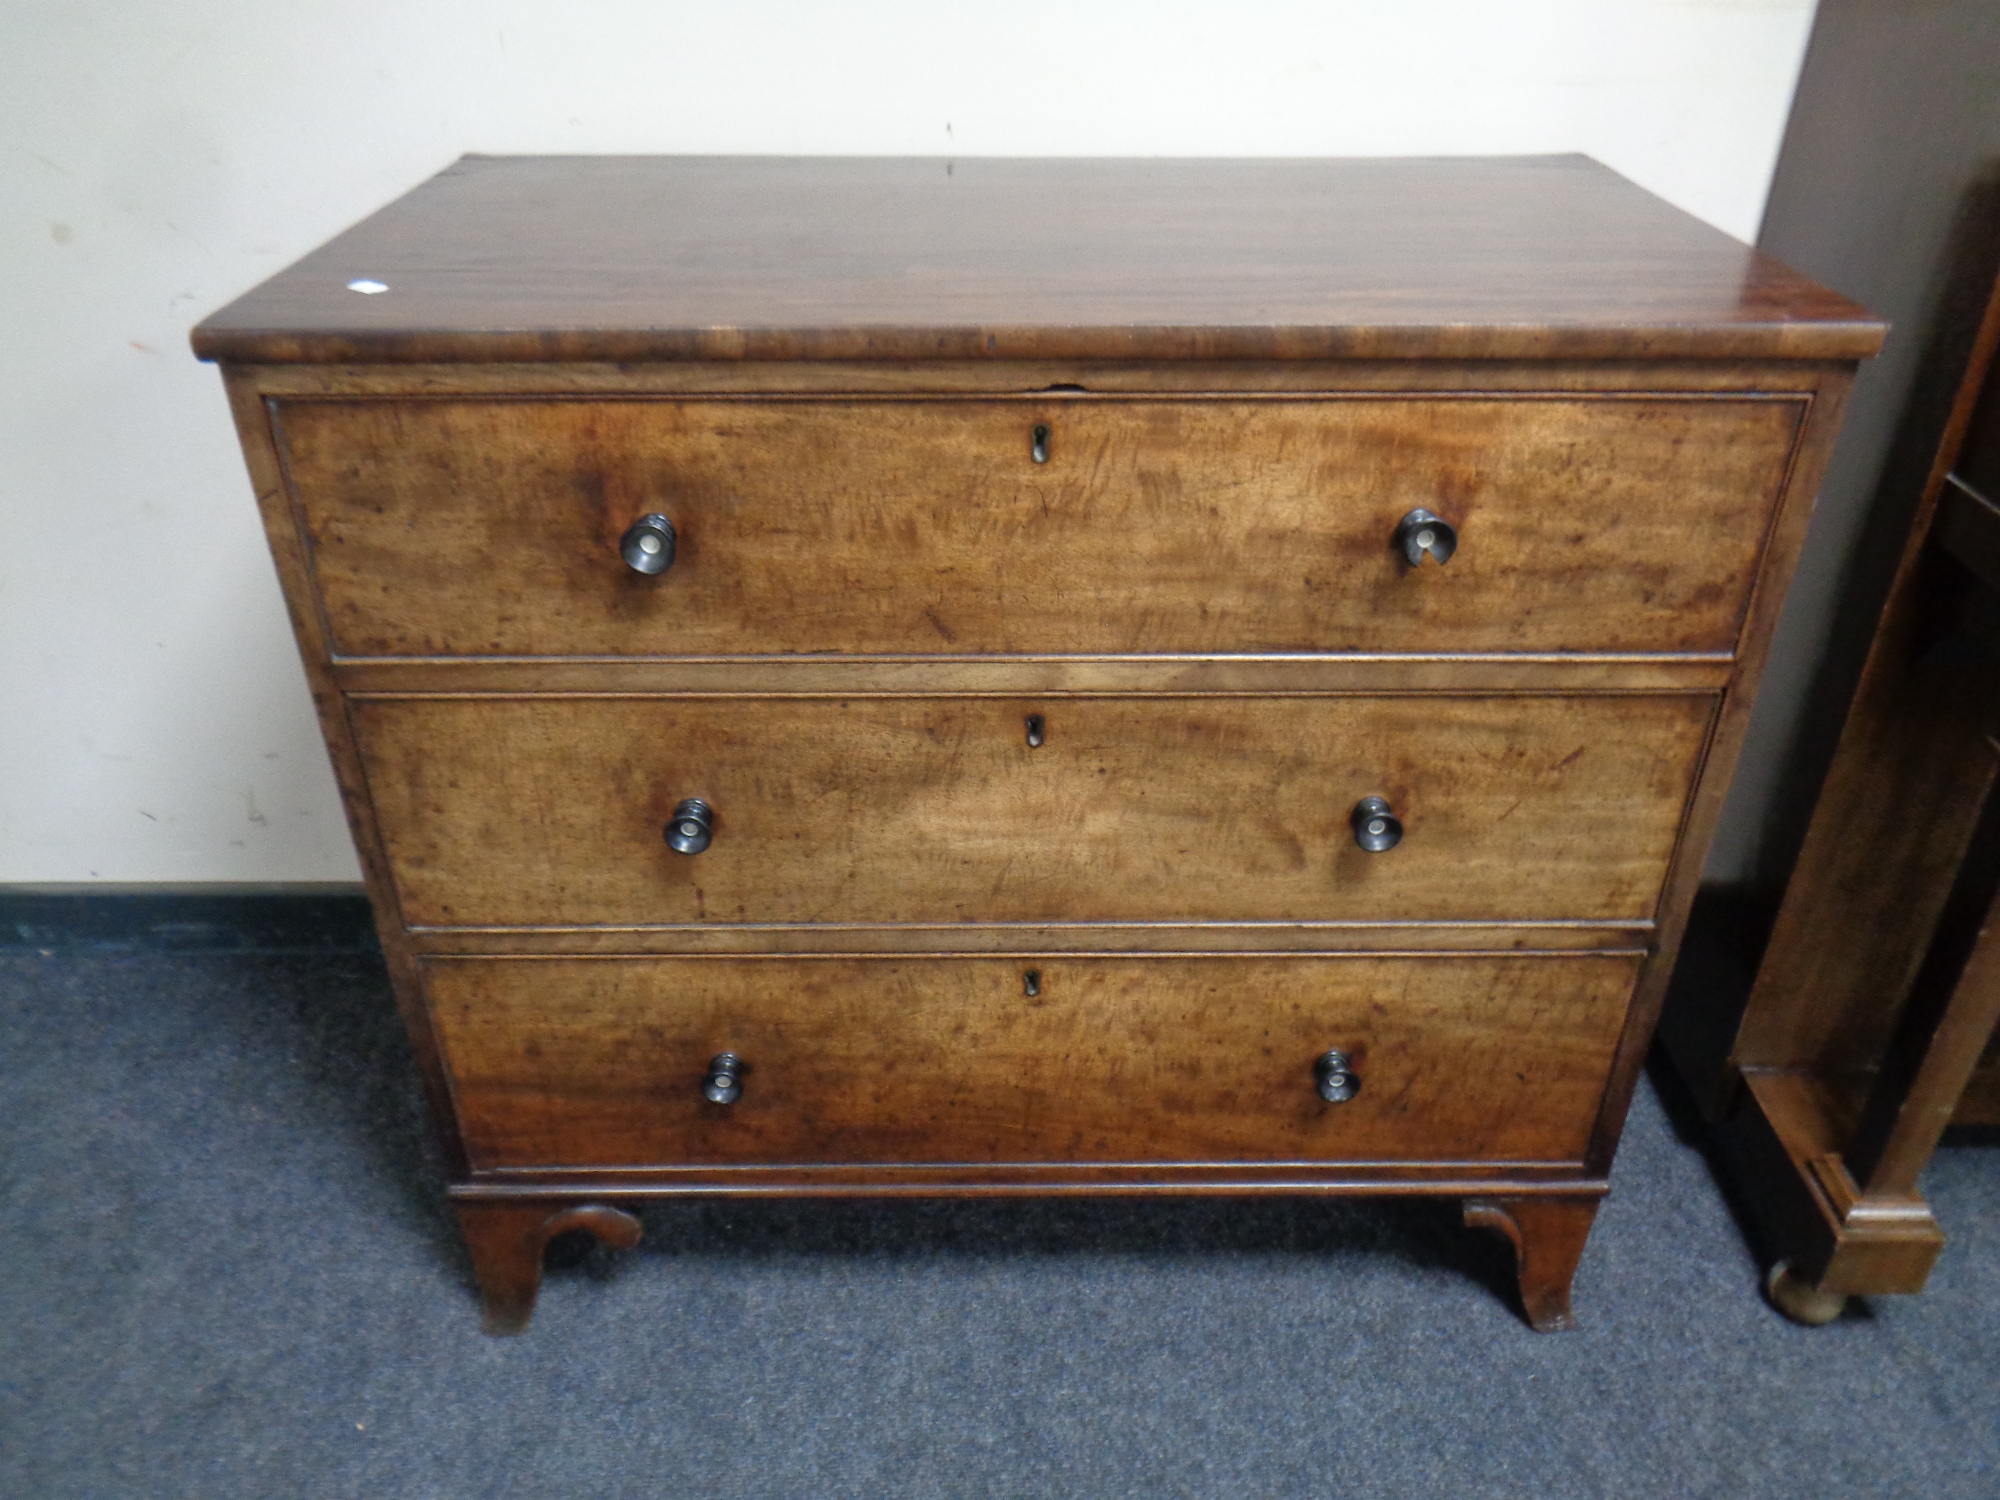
[(104, 918)]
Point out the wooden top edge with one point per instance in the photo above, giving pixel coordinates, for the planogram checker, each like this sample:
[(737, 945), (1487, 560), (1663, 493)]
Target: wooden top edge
[(635, 259), (1785, 341)]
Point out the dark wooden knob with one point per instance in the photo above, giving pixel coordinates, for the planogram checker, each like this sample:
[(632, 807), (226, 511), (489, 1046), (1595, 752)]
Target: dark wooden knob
[(1335, 1079), (1421, 534), (724, 1084), (1376, 828), (691, 827), (648, 545)]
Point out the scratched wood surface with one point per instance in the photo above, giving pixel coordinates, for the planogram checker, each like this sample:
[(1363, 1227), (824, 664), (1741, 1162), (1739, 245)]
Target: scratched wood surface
[(601, 1061), (827, 373), (635, 258), (492, 527), (550, 811)]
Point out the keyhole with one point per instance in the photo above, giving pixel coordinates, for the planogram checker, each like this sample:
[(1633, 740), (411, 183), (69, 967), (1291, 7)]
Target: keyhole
[(1031, 983), (1037, 731), (1039, 448)]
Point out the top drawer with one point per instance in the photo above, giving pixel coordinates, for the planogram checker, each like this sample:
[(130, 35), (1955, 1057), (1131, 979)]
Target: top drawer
[(465, 527)]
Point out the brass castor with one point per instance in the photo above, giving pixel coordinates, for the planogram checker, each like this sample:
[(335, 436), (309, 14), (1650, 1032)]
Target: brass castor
[(1799, 1300)]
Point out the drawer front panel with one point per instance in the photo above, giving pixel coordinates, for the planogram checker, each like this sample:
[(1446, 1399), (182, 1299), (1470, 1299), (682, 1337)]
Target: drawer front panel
[(474, 527), (600, 1063), (550, 812)]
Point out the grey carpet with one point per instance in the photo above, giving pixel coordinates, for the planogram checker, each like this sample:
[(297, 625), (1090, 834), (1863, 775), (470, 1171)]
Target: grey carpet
[(228, 1272)]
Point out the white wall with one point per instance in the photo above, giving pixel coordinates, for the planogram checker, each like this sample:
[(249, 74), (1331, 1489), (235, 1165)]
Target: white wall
[(158, 158)]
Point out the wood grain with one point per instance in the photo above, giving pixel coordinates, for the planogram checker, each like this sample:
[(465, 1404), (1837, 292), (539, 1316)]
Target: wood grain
[(1783, 1143), (1879, 986), (549, 811), (644, 258), (1949, 1019), (1160, 674), (1914, 766), (308, 621), (585, 1062), (1548, 1235), (826, 372), (1705, 808), (1631, 937), (507, 1240), (1381, 1179), (457, 528), (1025, 377)]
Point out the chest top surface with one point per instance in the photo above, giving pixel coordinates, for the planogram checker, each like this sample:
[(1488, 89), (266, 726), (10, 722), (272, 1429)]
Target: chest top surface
[(633, 258)]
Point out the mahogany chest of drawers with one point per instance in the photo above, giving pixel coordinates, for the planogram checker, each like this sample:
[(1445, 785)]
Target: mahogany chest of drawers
[(921, 677)]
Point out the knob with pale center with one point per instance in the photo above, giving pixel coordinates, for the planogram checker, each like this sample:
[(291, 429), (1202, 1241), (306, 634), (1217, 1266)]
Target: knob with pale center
[(648, 545), (1333, 1076), (724, 1083), (1422, 534), (1376, 827), (691, 827)]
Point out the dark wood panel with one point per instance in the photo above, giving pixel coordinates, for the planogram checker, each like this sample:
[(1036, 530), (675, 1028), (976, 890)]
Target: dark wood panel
[(549, 811), (1914, 766), (454, 528), (1879, 985), (1980, 1103), (1968, 527), (581, 1062), (578, 258)]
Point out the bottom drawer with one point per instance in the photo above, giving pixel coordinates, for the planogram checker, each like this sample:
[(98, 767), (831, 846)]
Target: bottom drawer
[(600, 1062)]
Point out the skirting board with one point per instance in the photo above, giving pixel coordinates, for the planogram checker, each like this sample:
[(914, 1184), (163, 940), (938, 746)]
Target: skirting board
[(185, 918)]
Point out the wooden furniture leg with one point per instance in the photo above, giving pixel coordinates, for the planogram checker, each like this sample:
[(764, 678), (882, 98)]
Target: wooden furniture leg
[(1880, 986), (1548, 1235), (1876, 1232), (507, 1241)]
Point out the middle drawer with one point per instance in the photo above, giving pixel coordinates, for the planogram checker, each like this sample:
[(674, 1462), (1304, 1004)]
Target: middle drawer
[(550, 811)]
